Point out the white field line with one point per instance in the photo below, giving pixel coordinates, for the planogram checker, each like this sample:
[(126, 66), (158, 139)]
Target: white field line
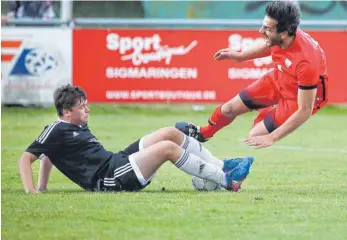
[(297, 148)]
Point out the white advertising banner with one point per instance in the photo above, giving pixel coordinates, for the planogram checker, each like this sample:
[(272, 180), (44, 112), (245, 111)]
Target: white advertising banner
[(34, 62)]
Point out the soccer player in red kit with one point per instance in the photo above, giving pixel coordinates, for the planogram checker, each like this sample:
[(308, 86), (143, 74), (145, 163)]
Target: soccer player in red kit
[(285, 97)]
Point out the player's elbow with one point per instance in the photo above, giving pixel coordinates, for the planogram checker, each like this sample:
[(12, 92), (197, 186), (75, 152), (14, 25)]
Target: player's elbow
[(26, 159), (305, 112), (23, 160)]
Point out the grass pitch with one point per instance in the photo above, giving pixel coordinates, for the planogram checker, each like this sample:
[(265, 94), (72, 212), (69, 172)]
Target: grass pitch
[(296, 189)]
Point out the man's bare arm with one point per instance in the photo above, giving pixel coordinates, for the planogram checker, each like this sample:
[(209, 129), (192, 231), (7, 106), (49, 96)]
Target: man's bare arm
[(306, 100), (257, 50), (26, 171), (44, 172)]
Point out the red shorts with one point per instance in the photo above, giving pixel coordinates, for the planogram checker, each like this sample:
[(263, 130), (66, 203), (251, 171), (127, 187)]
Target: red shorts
[(274, 110)]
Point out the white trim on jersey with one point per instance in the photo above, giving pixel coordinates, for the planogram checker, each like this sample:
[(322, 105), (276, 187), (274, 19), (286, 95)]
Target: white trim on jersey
[(44, 135)]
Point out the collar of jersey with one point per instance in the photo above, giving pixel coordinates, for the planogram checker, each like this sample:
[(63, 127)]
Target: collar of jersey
[(61, 120)]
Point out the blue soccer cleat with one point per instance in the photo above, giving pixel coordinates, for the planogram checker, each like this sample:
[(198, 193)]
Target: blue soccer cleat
[(239, 173), (191, 130), (230, 164)]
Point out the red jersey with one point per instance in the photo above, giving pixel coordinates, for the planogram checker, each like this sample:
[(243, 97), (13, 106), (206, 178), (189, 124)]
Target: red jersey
[(301, 65)]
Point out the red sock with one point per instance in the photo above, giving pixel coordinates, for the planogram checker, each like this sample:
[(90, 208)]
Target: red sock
[(216, 122)]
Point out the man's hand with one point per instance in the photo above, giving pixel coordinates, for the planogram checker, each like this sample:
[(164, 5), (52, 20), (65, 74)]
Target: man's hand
[(260, 141), (223, 54)]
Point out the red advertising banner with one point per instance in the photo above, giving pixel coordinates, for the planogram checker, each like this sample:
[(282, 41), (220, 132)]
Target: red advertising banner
[(120, 65)]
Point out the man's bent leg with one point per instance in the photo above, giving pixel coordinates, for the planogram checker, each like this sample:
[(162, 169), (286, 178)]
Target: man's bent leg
[(166, 133), (187, 143), (260, 94), (149, 160), (261, 127), (163, 134), (274, 117), (223, 116)]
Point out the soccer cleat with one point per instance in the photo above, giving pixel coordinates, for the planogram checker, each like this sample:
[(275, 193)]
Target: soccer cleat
[(235, 177), (191, 130), (230, 164)]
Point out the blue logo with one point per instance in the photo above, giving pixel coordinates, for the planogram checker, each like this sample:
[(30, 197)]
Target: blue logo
[(34, 62)]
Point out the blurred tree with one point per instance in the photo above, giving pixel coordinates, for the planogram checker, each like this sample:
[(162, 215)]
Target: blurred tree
[(108, 9)]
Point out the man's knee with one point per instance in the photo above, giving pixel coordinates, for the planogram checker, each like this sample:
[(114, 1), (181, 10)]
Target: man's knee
[(234, 107), (227, 109), (168, 148), (253, 133), (171, 134), (258, 130)]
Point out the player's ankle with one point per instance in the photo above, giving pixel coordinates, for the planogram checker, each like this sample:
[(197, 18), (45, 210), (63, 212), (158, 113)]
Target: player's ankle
[(208, 131)]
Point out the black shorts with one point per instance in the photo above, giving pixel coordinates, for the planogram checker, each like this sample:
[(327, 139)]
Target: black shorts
[(121, 175)]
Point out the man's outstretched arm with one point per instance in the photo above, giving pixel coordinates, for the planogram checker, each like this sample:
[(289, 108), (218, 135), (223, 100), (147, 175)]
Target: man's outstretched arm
[(257, 50), (44, 172), (26, 171)]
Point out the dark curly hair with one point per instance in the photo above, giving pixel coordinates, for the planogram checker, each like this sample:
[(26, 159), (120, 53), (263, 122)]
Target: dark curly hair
[(287, 14), (65, 97)]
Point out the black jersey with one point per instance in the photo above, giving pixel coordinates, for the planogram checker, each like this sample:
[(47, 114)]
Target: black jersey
[(74, 151)]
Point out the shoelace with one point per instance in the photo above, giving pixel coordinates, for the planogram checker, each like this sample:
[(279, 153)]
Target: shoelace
[(193, 131)]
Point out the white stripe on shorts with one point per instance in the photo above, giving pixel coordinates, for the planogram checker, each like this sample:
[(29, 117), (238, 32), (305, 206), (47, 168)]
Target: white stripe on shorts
[(117, 173)]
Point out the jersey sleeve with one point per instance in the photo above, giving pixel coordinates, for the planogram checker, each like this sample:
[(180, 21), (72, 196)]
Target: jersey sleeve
[(308, 76), (46, 143)]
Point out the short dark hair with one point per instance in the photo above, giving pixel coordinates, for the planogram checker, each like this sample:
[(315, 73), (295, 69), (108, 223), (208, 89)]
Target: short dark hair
[(287, 14), (65, 97)]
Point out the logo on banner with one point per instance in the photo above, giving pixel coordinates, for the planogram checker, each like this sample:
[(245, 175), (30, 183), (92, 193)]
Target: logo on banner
[(28, 61), (253, 71), (145, 50), (141, 46), (31, 68), (34, 62)]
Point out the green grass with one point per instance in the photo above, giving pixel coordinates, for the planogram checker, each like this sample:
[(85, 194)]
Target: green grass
[(290, 194)]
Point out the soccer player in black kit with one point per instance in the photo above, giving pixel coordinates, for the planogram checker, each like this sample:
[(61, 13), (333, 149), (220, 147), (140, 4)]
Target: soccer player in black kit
[(70, 146)]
